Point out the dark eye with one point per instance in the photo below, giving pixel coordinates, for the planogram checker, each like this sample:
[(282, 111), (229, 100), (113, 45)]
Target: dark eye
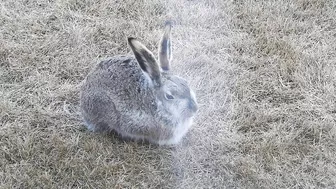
[(169, 97)]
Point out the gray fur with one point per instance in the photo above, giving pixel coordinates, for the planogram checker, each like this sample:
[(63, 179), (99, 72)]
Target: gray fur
[(165, 48), (122, 95)]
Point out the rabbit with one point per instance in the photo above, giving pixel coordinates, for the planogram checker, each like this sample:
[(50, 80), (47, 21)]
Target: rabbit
[(139, 98)]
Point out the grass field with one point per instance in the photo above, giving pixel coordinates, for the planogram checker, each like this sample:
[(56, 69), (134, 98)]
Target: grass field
[(264, 73)]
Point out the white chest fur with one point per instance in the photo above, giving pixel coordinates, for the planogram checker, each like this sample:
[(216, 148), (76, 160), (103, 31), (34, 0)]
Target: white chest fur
[(179, 132)]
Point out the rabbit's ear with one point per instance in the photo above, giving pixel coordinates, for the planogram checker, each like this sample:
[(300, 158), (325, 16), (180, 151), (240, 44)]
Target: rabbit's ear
[(165, 48), (146, 60)]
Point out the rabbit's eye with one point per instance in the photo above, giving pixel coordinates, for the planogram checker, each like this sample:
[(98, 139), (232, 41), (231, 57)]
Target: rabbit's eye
[(169, 97)]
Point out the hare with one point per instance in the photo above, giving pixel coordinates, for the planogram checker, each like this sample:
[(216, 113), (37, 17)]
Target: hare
[(138, 97)]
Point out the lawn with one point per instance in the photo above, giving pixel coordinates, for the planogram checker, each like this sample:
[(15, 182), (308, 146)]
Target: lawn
[(264, 73)]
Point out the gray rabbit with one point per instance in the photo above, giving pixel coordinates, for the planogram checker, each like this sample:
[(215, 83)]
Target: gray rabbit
[(138, 97)]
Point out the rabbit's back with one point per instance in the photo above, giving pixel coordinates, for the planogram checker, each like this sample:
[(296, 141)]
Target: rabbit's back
[(120, 77), (116, 74), (113, 91)]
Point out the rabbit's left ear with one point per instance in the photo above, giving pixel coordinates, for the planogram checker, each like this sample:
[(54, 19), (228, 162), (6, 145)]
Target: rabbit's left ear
[(146, 60), (165, 48)]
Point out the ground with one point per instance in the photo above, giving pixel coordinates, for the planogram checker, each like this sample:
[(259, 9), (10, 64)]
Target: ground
[(264, 73)]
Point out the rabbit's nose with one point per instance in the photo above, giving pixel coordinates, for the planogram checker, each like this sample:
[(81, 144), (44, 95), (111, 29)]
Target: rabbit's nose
[(192, 105)]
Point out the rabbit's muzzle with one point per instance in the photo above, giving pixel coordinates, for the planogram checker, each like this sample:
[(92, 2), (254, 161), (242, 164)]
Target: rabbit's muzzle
[(192, 105)]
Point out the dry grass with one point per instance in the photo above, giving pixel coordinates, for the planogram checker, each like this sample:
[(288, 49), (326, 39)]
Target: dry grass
[(264, 73)]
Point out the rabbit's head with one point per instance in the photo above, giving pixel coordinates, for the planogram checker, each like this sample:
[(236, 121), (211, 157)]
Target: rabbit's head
[(174, 97)]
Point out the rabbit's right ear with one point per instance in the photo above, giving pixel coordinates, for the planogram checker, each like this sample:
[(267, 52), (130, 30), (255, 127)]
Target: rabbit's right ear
[(146, 60), (165, 48)]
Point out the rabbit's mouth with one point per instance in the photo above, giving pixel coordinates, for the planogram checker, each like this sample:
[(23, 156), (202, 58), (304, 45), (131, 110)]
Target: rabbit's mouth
[(189, 112)]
